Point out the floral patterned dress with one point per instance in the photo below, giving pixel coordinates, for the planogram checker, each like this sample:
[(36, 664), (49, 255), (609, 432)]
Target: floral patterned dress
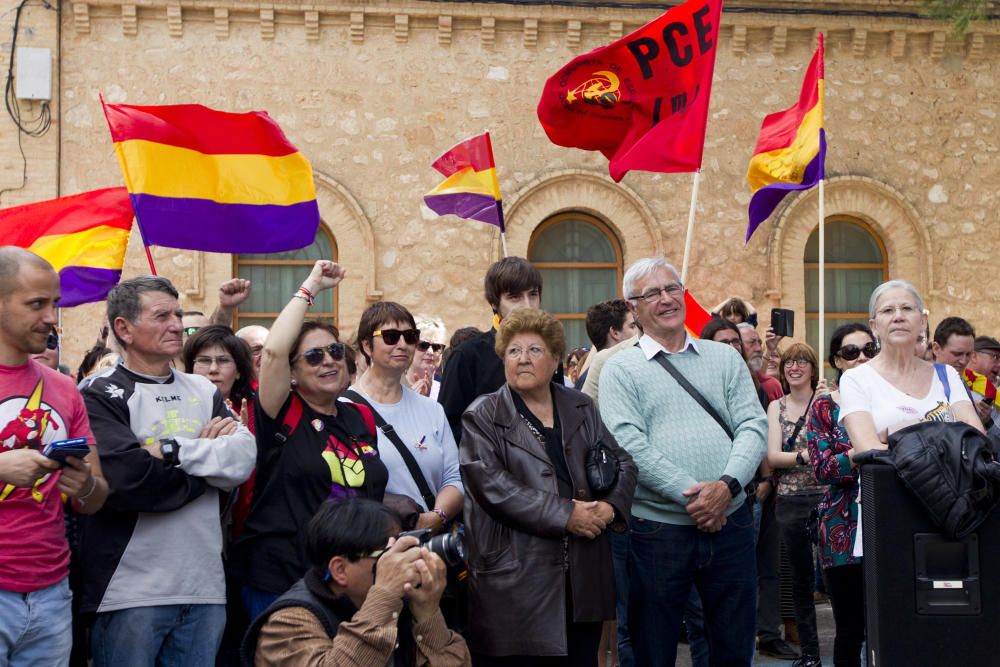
[(838, 510)]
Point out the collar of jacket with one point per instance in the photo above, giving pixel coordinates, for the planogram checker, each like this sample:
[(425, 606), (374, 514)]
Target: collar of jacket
[(569, 404)]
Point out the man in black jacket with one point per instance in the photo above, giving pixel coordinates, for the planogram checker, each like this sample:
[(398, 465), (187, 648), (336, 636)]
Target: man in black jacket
[(474, 368)]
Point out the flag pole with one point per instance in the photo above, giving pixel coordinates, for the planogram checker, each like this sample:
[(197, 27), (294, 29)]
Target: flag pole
[(145, 246), (503, 240), (690, 228), (822, 268)]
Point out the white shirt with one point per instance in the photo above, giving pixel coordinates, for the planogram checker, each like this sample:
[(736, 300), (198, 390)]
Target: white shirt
[(862, 389), (650, 347)]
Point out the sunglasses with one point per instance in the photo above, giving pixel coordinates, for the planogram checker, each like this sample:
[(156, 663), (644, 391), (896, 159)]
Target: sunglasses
[(423, 346), (852, 352), (314, 355), (392, 336), (190, 331)]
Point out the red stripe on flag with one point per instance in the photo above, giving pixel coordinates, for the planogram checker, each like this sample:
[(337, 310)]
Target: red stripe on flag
[(199, 128), (778, 129), (696, 317), (23, 225), (474, 152)]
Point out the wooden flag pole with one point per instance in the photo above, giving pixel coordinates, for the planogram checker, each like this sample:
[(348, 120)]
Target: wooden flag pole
[(821, 343), (690, 229)]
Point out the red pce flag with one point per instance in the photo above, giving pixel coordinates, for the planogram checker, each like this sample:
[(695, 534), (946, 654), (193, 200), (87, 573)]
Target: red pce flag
[(643, 100)]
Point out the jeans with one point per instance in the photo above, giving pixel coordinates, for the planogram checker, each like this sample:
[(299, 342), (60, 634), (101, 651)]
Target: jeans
[(164, 636), (846, 586), (694, 621), (792, 513), (36, 628), (666, 560), (619, 557), (768, 577)]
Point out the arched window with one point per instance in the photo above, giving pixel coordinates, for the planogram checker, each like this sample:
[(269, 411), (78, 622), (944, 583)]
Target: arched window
[(276, 276), (580, 259), (856, 264)]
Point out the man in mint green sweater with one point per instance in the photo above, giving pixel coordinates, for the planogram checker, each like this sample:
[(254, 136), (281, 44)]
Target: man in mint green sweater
[(690, 521)]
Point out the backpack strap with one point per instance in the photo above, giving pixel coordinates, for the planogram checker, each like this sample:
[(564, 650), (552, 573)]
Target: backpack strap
[(290, 419), (368, 415), (942, 374), (404, 452)]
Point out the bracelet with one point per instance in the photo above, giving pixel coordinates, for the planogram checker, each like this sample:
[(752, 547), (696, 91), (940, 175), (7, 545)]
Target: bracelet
[(442, 514), (304, 293), (93, 487)]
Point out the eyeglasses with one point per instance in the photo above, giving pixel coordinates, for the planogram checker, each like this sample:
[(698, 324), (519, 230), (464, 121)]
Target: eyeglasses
[(797, 363), (890, 311), (314, 355), (220, 361), (534, 352), (190, 331), (852, 352), (673, 290), (995, 356), (392, 336), (423, 346), (256, 350), (735, 342)]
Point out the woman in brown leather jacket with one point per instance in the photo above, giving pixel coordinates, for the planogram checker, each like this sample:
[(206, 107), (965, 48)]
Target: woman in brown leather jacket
[(541, 581)]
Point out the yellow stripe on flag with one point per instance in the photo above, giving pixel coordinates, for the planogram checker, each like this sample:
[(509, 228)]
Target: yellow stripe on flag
[(469, 180), (101, 247), (786, 165), (168, 171)]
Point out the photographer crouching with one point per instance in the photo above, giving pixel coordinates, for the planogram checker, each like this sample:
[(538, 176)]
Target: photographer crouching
[(369, 598)]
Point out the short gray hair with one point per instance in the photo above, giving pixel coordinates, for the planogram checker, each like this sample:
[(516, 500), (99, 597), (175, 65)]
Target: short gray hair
[(431, 323), (743, 326), (125, 300), (893, 284), (642, 268)]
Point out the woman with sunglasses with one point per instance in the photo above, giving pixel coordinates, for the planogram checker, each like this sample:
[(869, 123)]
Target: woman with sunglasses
[(798, 492), (310, 446), (388, 338), (830, 456), (423, 376)]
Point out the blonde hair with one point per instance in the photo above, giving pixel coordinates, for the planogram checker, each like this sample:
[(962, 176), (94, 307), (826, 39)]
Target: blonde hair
[(430, 323), (529, 320)]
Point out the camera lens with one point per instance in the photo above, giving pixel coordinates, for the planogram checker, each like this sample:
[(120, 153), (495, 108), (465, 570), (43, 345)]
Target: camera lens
[(449, 547)]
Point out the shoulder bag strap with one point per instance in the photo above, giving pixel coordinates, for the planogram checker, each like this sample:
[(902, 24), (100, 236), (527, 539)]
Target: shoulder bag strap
[(942, 374), (661, 358), (801, 421), (411, 463)]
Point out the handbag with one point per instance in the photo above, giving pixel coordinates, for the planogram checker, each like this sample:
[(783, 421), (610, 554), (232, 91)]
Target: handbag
[(602, 466)]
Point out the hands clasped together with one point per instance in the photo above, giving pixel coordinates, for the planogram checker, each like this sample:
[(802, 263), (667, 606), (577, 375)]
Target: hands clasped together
[(589, 519), (707, 504)]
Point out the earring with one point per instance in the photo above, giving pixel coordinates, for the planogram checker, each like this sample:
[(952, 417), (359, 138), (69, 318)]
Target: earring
[(294, 383)]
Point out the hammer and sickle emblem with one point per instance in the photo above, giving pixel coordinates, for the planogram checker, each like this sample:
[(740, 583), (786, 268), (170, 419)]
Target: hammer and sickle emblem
[(601, 88)]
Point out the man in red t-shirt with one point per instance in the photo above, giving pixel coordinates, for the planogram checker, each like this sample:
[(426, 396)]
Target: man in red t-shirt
[(38, 406)]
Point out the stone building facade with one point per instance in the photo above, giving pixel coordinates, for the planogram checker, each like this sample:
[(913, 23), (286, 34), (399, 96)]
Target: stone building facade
[(372, 92)]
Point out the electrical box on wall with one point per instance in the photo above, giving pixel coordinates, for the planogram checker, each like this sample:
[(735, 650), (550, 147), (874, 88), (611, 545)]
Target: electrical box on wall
[(33, 78)]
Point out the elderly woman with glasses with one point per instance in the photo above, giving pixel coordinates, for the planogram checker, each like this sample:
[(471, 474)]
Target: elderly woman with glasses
[(798, 491), (423, 376), (310, 446), (541, 578), (829, 455), (388, 338)]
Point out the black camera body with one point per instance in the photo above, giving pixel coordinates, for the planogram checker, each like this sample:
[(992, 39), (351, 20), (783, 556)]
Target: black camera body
[(450, 547)]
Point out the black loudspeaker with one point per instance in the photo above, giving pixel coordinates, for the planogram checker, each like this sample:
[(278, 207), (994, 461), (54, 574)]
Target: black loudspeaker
[(930, 601)]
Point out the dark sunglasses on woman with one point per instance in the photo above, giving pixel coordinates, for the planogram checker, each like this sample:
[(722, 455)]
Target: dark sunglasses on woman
[(423, 346), (392, 336), (852, 352), (314, 355)]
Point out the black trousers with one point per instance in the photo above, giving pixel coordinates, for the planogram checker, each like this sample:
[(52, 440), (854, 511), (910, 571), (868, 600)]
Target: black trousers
[(846, 586), (582, 642), (792, 513)]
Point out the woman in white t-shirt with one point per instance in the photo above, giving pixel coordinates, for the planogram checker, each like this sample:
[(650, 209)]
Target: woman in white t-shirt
[(897, 388)]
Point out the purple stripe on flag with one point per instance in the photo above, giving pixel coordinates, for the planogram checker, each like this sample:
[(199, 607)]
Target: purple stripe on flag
[(202, 224), (766, 199), (467, 205), (81, 284)]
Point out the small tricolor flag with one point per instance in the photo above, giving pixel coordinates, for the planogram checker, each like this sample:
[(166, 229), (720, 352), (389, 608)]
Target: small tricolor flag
[(980, 384), (695, 316), (791, 149), (470, 189), (209, 180), (82, 236)]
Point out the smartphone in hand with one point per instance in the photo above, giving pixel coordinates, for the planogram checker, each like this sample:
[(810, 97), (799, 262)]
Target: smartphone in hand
[(783, 322), (59, 450)]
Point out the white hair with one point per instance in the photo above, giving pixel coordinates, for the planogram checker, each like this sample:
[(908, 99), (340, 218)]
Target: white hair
[(893, 284), (251, 329), (429, 323), (643, 268), (742, 326)]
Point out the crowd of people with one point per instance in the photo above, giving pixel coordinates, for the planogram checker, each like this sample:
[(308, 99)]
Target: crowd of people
[(291, 496)]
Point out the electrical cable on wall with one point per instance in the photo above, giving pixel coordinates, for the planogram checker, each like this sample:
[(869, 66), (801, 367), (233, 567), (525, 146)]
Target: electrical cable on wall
[(33, 127)]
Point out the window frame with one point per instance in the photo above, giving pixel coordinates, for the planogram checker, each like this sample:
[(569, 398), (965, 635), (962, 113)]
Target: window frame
[(604, 228), (311, 315)]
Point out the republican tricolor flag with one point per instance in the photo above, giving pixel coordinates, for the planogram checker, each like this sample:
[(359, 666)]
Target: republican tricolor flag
[(209, 180), (470, 189), (82, 236), (791, 149)]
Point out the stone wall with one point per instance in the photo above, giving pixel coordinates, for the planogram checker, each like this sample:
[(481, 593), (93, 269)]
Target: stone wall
[(372, 92)]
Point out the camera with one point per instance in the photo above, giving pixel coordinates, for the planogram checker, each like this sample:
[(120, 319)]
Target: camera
[(450, 547)]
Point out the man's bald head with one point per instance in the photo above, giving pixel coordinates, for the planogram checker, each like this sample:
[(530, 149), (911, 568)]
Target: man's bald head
[(12, 258)]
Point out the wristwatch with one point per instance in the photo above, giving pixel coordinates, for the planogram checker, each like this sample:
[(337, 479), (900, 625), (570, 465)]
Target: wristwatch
[(735, 488), (799, 458), (170, 449)]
